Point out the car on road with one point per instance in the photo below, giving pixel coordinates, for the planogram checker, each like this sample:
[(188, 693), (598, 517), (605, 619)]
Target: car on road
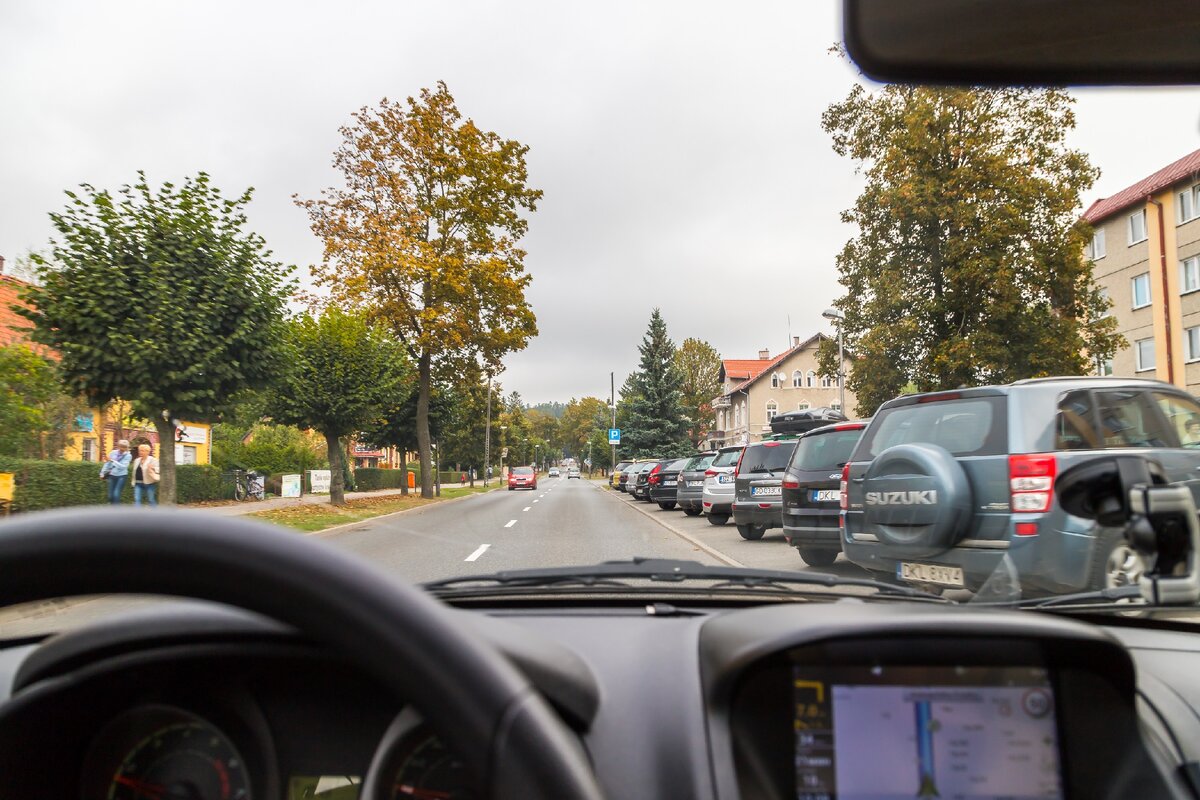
[(758, 486), (812, 491), (716, 498), (553, 473), (664, 483), (639, 482), (950, 488), (689, 493), (615, 477), (522, 478), (572, 472)]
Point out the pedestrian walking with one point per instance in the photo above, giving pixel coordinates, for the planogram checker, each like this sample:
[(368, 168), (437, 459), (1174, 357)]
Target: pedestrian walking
[(145, 477), (116, 470)]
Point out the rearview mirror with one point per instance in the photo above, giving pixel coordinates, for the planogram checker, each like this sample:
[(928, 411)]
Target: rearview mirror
[(1031, 42)]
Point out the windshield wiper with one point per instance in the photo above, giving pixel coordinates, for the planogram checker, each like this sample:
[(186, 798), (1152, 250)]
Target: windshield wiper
[(1096, 596), (665, 570)]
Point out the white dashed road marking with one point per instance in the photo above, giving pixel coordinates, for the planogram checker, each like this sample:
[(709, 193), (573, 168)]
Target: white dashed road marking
[(511, 522), (479, 551), (526, 508), (537, 501)]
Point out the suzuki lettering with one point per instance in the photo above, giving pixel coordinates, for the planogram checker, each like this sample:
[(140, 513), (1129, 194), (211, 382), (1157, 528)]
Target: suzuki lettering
[(927, 497)]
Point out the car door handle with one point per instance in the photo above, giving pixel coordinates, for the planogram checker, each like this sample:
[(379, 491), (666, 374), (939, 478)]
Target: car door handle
[(863, 480)]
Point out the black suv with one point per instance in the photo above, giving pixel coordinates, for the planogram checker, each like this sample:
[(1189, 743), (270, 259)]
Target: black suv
[(812, 491), (664, 482), (946, 489), (758, 486)]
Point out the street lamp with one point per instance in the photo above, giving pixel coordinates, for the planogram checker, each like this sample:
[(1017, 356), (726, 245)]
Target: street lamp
[(503, 447), (839, 318)]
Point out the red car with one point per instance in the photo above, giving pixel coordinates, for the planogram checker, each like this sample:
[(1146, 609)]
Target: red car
[(522, 478)]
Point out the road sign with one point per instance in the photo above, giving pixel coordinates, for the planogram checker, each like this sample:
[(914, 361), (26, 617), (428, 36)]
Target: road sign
[(614, 435)]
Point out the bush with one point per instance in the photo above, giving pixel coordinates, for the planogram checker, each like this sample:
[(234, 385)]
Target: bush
[(56, 484), (371, 479)]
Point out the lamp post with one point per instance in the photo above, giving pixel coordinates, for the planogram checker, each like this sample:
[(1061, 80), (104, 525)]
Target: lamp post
[(839, 318), (612, 404), (503, 447), (487, 436), (535, 458)]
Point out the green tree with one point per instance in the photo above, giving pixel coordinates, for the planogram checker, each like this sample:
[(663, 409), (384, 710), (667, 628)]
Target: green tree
[(161, 298), (579, 421), (266, 447), (545, 429), (462, 437), (343, 373), (656, 423), (424, 235), (967, 267), (700, 365), (35, 414)]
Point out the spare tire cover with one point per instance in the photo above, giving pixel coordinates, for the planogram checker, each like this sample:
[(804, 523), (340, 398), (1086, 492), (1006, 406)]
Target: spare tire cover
[(916, 497)]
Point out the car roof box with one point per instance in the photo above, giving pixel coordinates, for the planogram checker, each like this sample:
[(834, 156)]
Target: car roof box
[(806, 420)]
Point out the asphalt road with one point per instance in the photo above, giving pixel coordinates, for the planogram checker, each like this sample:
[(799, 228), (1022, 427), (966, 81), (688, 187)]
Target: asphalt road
[(563, 523)]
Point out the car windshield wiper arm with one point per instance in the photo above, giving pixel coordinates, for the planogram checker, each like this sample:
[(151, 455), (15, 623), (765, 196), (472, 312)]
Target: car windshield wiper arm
[(1094, 596), (670, 571)]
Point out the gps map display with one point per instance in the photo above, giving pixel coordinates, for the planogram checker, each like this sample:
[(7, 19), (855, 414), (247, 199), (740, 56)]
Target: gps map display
[(970, 733)]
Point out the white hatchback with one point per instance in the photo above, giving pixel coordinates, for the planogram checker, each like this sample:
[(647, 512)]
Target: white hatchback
[(717, 499)]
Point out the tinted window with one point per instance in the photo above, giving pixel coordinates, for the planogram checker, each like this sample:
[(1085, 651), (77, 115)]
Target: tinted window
[(825, 451), (522, 470), (621, 465), (699, 462), (726, 458), (675, 466), (1075, 423), (766, 457), (1183, 417), (1129, 418), (970, 427)]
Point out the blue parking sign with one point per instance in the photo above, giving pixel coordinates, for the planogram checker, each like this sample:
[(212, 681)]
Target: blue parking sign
[(614, 435)]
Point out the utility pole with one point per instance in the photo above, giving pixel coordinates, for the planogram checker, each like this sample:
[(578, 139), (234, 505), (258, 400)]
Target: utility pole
[(612, 401), (839, 318)]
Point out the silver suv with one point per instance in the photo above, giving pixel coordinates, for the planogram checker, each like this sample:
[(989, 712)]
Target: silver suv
[(947, 489), (716, 499)]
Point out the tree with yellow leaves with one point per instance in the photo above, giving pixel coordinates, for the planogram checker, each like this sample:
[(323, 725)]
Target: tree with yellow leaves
[(424, 237)]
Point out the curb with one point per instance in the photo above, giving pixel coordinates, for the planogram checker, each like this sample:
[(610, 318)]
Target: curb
[(324, 532), (687, 537)]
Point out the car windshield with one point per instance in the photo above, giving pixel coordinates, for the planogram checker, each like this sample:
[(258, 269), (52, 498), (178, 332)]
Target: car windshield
[(357, 271)]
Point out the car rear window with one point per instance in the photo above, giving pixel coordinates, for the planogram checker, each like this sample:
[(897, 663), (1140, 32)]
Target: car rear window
[(522, 470), (825, 450), (766, 457), (726, 458), (974, 426), (676, 465), (699, 462)]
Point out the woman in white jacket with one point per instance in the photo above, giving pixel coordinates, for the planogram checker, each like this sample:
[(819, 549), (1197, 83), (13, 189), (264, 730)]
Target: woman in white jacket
[(144, 470)]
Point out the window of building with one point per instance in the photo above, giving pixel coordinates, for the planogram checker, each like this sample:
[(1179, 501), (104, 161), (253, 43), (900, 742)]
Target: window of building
[(826, 381), (1192, 338), (811, 378), (1104, 297), (772, 410), (90, 450), (797, 379), (774, 380), (1096, 250), (835, 405), (1189, 275), (803, 405), (1189, 204), (1143, 350), (1141, 290), (1104, 367), (1137, 227)]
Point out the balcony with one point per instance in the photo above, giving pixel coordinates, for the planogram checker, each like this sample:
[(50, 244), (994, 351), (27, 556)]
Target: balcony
[(721, 402)]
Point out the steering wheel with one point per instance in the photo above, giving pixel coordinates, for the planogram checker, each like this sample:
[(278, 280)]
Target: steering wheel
[(510, 741)]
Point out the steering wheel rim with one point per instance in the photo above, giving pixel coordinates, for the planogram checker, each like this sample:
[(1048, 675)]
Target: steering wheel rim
[(511, 742)]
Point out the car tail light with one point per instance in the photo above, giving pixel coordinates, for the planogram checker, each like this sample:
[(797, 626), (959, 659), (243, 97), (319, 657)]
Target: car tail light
[(844, 486), (791, 482), (654, 476), (1031, 481), (741, 455)]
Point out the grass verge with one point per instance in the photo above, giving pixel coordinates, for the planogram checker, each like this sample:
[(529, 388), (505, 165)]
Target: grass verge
[(312, 517)]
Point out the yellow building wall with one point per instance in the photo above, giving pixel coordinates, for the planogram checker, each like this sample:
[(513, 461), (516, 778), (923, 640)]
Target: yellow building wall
[(94, 444)]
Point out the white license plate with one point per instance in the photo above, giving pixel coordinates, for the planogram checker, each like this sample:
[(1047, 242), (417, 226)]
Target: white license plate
[(826, 495), (668, 483), (930, 573), (759, 491), (695, 483), (724, 478)]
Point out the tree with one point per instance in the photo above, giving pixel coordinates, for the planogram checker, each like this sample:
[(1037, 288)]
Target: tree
[(967, 267), (656, 424), (578, 422), (344, 371), (35, 414), (160, 298), (545, 429), (462, 437), (700, 365), (424, 235)]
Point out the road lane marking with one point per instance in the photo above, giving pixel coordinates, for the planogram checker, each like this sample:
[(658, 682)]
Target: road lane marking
[(512, 522), (537, 501), (478, 552), (526, 508)]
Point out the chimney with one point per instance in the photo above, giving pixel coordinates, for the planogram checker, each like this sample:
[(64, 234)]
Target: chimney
[(795, 341), (1, 265), (764, 355)]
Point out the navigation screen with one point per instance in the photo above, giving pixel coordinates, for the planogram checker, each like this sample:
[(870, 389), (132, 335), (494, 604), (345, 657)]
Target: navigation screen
[(953, 733)]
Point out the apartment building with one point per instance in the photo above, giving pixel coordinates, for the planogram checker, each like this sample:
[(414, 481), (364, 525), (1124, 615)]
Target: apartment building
[(755, 390), (1146, 256)]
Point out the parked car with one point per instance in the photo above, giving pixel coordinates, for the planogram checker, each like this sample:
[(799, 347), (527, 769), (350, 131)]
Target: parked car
[(572, 472), (689, 493), (553, 473), (758, 486), (617, 471), (947, 489), (664, 481), (522, 478), (812, 491), (639, 486), (626, 474), (717, 496)]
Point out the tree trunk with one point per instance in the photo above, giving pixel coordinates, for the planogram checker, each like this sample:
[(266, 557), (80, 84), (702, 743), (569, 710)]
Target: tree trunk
[(404, 471), (166, 460), (423, 387), (337, 486)]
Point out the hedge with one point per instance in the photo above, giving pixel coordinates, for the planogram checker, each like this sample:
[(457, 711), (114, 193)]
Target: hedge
[(55, 484)]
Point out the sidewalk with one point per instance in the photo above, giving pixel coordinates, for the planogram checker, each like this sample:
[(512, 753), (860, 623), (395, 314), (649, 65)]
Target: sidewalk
[(249, 507)]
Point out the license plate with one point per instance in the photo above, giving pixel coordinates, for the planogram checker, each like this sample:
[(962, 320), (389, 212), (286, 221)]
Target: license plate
[(930, 573), (759, 491), (724, 478), (826, 495), (695, 483), (668, 483)]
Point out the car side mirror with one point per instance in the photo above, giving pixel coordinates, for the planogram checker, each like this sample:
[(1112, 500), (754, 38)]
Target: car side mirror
[(1159, 520)]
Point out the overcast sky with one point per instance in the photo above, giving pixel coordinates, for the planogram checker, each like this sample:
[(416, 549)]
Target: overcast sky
[(678, 143)]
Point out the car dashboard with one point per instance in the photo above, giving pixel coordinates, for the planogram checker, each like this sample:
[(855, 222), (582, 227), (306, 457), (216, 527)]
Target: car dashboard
[(848, 699)]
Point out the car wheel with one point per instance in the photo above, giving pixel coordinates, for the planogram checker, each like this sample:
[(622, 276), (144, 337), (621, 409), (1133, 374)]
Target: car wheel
[(718, 519), (667, 506), (1115, 563), (752, 533), (818, 558), (691, 512)]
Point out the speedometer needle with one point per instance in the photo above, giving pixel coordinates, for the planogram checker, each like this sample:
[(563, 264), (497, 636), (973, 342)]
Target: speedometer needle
[(424, 794), (150, 789)]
